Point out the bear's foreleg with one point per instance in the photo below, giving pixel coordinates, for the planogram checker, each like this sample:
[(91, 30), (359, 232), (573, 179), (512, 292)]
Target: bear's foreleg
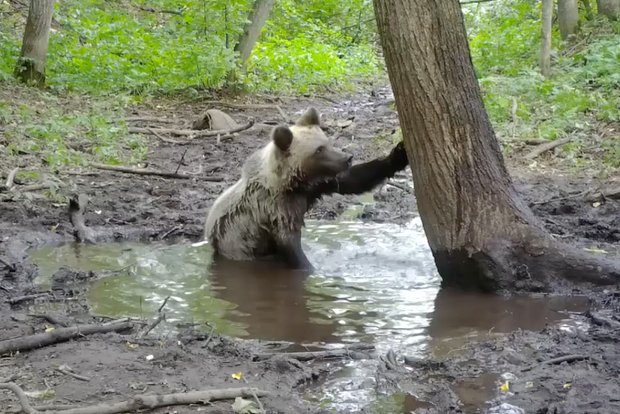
[(290, 251), (364, 177)]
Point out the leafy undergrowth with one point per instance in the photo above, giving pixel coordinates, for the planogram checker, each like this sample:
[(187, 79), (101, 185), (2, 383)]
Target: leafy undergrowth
[(163, 46), (40, 128), (580, 100)]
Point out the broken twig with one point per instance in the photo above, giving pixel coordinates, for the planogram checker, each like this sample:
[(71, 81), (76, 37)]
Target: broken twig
[(25, 343), (144, 401), (546, 147), (152, 325)]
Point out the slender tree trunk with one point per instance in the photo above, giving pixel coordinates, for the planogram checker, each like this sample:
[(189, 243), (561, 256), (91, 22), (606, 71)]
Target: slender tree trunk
[(480, 232), (31, 64), (545, 48), (568, 17), (251, 31), (588, 6), (609, 8)]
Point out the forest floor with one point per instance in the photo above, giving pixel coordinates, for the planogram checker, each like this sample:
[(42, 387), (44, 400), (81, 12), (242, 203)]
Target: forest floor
[(136, 207)]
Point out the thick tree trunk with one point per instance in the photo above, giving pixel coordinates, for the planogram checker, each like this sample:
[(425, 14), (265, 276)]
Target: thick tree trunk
[(545, 47), (609, 8), (251, 31), (31, 64), (568, 17), (480, 232)]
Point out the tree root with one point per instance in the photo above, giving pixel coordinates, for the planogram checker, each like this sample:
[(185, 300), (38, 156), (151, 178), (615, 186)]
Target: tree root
[(145, 171), (351, 352), (26, 343), (143, 402), (190, 132)]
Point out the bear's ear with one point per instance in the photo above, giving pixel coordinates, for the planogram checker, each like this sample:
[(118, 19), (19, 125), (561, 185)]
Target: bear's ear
[(282, 136), (309, 118)]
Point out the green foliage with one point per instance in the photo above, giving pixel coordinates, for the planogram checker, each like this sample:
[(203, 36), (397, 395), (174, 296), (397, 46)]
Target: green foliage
[(61, 132), (582, 94), (146, 47)]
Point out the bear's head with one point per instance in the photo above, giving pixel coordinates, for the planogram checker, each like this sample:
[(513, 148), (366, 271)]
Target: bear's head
[(306, 151)]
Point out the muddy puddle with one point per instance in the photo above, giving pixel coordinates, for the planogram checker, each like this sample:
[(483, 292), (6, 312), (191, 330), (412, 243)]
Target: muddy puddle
[(374, 283)]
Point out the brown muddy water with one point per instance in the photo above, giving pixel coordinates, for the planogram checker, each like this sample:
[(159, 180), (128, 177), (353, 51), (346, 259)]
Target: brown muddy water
[(374, 283)]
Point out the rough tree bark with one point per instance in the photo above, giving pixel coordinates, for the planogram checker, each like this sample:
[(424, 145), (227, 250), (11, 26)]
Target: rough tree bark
[(545, 47), (260, 12), (609, 8), (568, 17), (481, 233), (31, 64)]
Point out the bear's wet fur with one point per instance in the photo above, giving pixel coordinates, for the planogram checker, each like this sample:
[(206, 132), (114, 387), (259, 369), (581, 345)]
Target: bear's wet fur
[(262, 215)]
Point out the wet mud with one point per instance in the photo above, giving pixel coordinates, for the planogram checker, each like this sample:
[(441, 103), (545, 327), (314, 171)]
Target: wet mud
[(436, 351)]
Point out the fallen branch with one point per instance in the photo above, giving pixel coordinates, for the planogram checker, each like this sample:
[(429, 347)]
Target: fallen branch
[(310, 355), (49, 318), (144, 401), (613, 193), (152, 10), (145, 171), (63, 369), (26, 343), (149, 119), (161, 317), (8, 265), (558, 360), (19, 299), (546, 147), (249, 106), (568, 197), (602, 320), (21, 396), (190, 132), (81, 232)]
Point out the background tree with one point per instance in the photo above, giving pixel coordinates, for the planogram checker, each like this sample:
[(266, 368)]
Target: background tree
[(481, 233), (609, 8), (568, 17), (251, 30), (31, 64), (545, 48)]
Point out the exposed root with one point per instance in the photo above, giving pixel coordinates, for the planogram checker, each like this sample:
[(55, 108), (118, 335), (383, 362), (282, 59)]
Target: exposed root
[(145, 171), (143, 402), (26, 343)]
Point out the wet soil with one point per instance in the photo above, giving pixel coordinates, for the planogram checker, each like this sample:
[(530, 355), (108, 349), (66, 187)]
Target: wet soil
[(464, 378)]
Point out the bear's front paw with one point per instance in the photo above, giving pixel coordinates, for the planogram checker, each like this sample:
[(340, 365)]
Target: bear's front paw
[(398, 157)]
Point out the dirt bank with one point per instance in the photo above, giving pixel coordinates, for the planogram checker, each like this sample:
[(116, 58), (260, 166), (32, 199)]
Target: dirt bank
[(131, 207)]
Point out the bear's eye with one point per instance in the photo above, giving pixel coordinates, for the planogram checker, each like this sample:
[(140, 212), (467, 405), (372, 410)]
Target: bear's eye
[(319, 150)]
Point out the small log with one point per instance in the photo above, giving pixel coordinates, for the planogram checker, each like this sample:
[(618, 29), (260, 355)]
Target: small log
[(26, 343), (558, 360), (146, 171), (546, 147), (190, 132), (144, 401), (81, 232), (310, 355)]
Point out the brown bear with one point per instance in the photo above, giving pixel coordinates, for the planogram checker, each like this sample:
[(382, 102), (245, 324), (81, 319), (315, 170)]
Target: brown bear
[(262, 215)]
